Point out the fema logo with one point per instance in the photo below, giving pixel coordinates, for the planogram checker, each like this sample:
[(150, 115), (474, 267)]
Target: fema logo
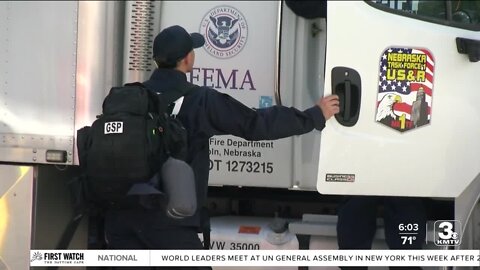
[(225, 31)]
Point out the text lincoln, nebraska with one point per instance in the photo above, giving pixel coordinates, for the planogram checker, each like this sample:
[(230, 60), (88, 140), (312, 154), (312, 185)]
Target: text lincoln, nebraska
[(117, 258)]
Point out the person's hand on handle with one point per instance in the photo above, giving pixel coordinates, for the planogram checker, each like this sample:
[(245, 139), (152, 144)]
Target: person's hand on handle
[(329, 105)]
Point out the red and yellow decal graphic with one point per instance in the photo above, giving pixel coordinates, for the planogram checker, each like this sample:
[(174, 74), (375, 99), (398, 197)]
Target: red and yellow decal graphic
[(405, 88)]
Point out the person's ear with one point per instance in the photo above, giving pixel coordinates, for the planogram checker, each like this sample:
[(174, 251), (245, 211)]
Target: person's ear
[(189, 58), (184, 61)]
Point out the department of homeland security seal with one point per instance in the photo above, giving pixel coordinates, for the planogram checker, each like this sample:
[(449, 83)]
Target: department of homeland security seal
[(225, 31)]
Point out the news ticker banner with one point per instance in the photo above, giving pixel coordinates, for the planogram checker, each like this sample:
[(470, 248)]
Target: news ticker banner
[(258, 258)]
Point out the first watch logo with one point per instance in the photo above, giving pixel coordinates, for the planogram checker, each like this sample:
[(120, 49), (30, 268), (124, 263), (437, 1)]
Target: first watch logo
[(225, 30), (36, 256), (55, 258)]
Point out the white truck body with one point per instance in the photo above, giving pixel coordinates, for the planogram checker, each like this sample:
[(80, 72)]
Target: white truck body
[(59, 59)]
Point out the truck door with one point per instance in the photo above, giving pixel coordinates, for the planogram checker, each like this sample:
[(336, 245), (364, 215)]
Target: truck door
[(407, 76)]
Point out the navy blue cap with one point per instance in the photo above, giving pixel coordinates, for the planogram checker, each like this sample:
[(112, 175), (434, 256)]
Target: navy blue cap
[(174, 43)]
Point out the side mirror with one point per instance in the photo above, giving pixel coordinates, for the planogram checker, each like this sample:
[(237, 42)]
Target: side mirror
[(470, 47)]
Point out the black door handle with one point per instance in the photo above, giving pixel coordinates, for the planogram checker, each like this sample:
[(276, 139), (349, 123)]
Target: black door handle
[(346, 83), (347, 101), (470, 47)]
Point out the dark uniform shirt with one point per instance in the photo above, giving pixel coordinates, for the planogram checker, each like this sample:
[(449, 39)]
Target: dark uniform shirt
[(206, 112)]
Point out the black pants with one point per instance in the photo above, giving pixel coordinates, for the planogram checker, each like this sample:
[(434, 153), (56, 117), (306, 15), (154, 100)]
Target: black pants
[(122, 232), (357, 217), (175, 238)]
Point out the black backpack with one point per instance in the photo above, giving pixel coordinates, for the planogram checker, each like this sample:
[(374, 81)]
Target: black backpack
[(128, 143)]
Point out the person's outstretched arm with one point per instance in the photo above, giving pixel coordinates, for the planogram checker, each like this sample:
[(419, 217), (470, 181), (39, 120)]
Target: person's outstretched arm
[(229, 116)]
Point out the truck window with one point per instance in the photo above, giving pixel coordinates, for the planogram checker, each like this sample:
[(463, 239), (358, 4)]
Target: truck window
[(458, 13)]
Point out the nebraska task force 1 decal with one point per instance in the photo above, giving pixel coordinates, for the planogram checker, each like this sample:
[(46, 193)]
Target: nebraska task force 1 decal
[(405, 88)]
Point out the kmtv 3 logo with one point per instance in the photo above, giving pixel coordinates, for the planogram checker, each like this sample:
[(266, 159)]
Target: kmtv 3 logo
[(447, 233), (113, 127), (225, 30)]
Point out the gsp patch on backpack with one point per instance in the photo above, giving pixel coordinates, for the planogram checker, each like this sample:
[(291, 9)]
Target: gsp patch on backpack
[(113, 127), (129, 142)]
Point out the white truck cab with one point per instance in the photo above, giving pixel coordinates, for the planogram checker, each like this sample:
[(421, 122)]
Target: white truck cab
[(406, 72)]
